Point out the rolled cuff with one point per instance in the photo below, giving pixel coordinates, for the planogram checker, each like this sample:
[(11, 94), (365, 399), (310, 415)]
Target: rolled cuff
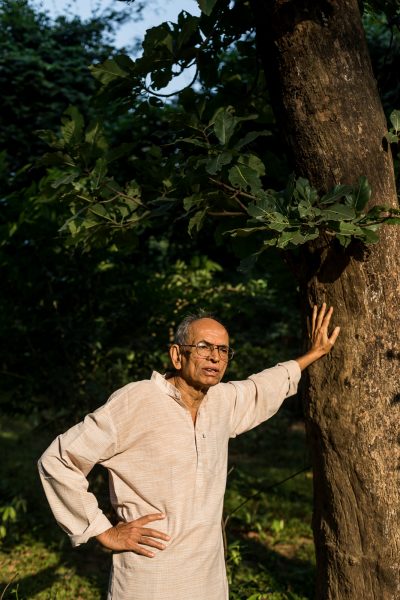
[(99, 525), (294, 373)]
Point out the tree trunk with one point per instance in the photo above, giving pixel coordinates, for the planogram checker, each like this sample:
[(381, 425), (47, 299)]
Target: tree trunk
[(326, 100)]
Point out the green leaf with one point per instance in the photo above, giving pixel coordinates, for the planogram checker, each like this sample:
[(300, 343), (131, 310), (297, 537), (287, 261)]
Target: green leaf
[(304, 191), (343, 240), (370, 236), (254, 162), (224, 125), (196, 222), (206, 6), (338, 212), (125, 63), (392, 138), (277, 221), (190, 201), (98, 173), (108, 71), (159, 36), (244, 178), (215, 164), (361, 194), (395, 119), (160, 78), (306, 210), (64, 180), (193, 141), (250, 137), (188, 33), (346, 228), (262, 208), (100, 211), (339, 191), (72, 127), (245, 231)]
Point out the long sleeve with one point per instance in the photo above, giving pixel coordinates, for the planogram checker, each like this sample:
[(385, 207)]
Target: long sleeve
[(64, 467), (259, 397)]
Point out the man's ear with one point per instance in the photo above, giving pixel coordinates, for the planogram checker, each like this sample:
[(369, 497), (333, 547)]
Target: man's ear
[(175, 356)]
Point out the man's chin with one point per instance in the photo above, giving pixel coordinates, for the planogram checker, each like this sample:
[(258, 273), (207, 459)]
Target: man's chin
[(210, 379)]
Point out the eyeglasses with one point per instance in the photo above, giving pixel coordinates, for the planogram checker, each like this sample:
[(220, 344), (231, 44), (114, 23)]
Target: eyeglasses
[(204, 350)]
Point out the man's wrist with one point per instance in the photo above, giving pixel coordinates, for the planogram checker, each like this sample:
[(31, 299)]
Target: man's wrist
[(309, 357)]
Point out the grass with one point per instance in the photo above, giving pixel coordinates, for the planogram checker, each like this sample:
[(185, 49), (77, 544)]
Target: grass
[(270, 551)]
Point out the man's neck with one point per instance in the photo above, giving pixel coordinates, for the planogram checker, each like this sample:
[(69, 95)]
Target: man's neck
[(191, 396)]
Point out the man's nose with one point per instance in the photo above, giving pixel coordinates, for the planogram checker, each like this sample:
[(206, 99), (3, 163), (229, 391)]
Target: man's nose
[(214, 354)]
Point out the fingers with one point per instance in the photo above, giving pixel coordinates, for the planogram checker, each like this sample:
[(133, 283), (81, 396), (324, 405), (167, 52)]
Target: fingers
[(142, 550), (148, 541), (314, 318), (320, 315), (144, 531), (334, 335), (135, 537), (321, 341), (148, 519)]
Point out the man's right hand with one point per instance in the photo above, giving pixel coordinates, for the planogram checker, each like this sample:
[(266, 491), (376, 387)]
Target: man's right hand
[(134, 536)]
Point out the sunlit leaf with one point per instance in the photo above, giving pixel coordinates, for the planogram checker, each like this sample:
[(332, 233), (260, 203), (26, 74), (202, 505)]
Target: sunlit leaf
[(391, 137), (395, 119), (347, 228), (370, 236)]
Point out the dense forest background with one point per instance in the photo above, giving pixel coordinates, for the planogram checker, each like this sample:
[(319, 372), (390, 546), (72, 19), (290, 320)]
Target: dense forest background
[(78, 320)]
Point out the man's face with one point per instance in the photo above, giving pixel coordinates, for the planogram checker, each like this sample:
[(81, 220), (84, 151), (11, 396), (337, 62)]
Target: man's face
[(201, 372)]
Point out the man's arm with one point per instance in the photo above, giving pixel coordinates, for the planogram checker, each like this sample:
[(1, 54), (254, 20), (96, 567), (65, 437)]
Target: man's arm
[(321, 342), (63, 470)]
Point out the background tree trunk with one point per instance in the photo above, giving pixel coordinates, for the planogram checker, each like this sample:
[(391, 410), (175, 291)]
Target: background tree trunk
[(325, 96)]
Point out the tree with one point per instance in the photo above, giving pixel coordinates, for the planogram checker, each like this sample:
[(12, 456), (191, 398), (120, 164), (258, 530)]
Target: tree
[(326, 104), (317, 60)]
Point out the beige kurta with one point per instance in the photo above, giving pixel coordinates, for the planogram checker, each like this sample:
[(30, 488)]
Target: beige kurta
[(158, 461)]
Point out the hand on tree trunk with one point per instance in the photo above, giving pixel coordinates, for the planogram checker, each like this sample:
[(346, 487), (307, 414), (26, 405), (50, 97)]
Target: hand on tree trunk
[(321, 341)]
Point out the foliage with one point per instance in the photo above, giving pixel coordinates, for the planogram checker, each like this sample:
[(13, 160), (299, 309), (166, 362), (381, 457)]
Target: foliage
[(220, 178), (214, 162), (46, 63), (9, 514), (383, 37)]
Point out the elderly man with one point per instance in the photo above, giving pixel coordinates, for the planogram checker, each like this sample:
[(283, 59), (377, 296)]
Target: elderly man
[(164, 442)]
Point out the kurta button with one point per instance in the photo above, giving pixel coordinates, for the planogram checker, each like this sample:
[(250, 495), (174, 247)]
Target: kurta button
[(204, 435)]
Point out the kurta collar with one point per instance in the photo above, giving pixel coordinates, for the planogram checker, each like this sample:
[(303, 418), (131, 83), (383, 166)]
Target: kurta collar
[(170, 389), (167, 387)]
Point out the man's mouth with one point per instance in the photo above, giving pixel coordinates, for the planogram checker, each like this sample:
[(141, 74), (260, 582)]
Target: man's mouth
[(211, 371)]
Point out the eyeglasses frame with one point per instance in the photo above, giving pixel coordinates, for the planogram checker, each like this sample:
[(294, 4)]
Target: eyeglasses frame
[(212, 347)]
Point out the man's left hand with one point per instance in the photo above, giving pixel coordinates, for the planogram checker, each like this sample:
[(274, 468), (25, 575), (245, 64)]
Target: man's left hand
[(321, 341)]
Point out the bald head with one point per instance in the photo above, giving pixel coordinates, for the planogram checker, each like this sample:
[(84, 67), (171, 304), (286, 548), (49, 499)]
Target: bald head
[(184, 329)]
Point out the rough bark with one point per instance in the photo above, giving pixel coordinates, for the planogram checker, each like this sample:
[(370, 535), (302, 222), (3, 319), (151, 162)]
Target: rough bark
[(317, 64)]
